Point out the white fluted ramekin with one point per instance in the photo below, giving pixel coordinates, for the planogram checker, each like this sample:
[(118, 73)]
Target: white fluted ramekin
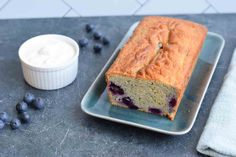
[(54, 77)]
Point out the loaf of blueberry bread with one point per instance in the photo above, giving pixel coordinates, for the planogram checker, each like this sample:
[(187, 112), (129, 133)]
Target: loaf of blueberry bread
[(153, 68)]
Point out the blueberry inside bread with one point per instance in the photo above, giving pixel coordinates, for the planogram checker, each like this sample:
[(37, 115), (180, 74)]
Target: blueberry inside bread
[(153, 68)]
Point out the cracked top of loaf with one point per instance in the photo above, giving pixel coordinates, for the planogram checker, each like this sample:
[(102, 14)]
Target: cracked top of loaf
[(161, 49)]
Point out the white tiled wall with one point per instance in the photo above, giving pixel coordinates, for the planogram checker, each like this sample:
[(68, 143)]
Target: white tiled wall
[(168, 7), (3, 3), (104, 7), (33, 8), (76, 8)]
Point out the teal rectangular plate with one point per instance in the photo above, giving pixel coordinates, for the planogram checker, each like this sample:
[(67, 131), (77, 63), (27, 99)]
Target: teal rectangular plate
[(96, 103)]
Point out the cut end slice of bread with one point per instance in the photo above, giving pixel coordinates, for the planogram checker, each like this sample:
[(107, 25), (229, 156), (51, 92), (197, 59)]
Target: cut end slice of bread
[(144, 95)]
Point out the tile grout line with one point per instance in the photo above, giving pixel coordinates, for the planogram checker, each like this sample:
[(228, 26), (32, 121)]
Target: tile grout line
[(76, 12), (4, 5), (138, 2), (141, 5), (204, 10), (67, 12), (71, 7), (214, 8)]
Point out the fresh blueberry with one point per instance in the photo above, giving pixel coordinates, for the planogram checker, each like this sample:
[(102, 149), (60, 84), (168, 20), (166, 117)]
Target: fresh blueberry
[(38, 103), (28, 98), (83, 42), (128, 102), (3, 116), (155, 110), (105, 41), (2, 124), (97, 35), (97, 48), (89, 27), (133, 107), (172, 102), (24, 117), (21, 107), (160, 45), (15, 123), (116, 90)]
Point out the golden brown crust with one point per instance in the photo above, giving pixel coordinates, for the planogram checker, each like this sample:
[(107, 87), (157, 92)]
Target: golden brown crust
[(172, 64)]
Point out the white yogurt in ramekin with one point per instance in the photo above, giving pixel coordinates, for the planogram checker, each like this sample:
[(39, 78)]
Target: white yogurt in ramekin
[(49, 61), (48, 53)]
